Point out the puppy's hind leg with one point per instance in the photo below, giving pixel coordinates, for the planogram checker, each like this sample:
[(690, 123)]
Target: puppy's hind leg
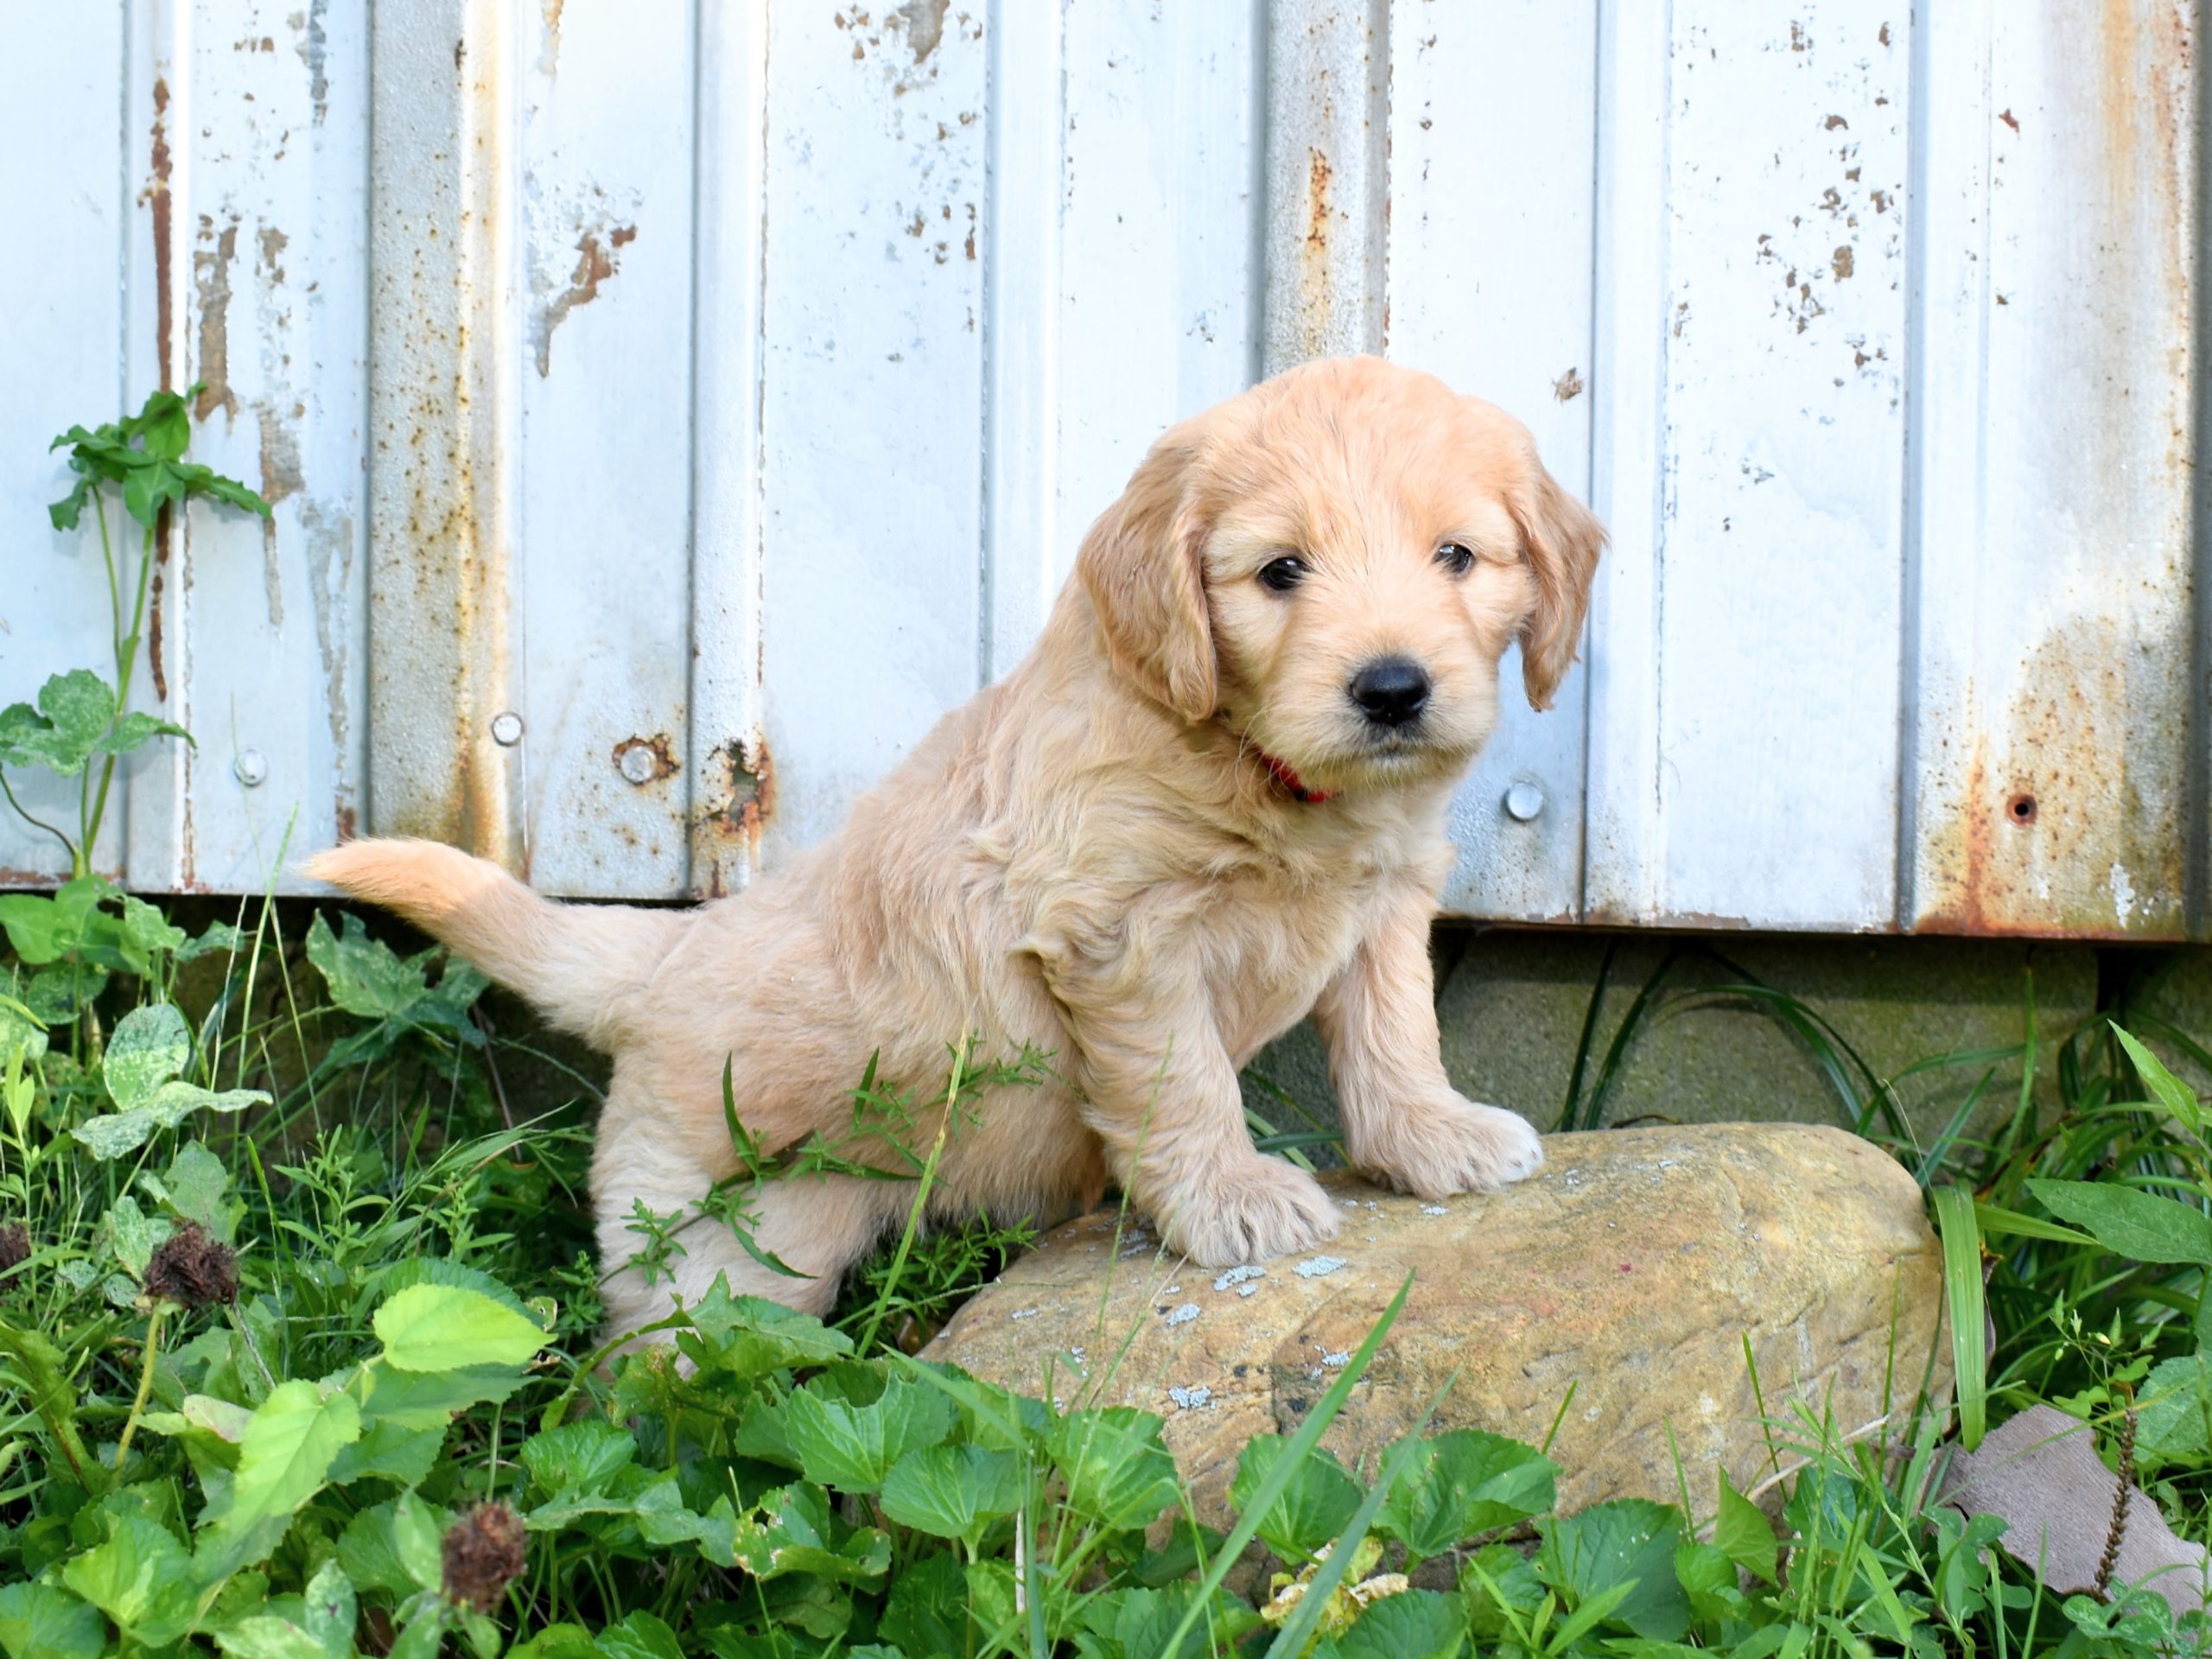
[(820, 1226)]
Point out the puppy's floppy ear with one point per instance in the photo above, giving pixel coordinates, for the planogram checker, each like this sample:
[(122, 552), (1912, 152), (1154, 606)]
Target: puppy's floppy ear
[(1140, 565), (1561, 539)]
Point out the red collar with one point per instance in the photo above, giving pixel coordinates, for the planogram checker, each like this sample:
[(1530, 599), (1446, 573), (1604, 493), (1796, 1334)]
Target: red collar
[(1291, 781)]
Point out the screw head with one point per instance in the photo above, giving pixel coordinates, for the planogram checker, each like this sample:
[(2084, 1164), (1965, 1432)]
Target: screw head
[(638, 764), (1523, 801), (251, 768), (506, 730)]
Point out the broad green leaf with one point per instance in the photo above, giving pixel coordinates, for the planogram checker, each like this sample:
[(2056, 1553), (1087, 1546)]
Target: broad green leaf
[(953, 1491), (165, 421), (197, 1187), (1141, 1620), (429, 1399), (1411, 1623), (927, 1611), (283, 1459), (1742, 1533), (398, 1453), (852, 1447), (173, 1102), (663, 1518), (146, 933), (59, 994), (1312, 1509), (1629, 1541), (1116, 1463), (746, 1337), (22, 1033), (141, 1578), (366, 977), (2133, 1225), (2168, 1090), (38, 1621), (117, 1132), (1462, 1483), (149, 1047), (134, 730), (581, 1457), (60, 734), (1712, 1582), (794, 1531), (2175, 1402), (569, 1642), (133, 1235), (219, 935), (39, 929), (322, 1626), (639, 1636), (394, 1547), (442, 1327)]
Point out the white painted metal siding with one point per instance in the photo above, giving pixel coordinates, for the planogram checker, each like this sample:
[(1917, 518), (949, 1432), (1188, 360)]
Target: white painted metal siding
[(722, 389)]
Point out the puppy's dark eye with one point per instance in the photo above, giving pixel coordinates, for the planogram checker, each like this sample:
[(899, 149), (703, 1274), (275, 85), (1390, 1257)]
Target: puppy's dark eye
[(1456, 557), (1281, 575)]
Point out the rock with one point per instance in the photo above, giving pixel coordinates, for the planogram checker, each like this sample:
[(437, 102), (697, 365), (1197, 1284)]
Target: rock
[(1612, 1293), (2040, 1473)]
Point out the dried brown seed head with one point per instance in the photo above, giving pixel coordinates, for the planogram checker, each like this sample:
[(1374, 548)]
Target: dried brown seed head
[(15, 1250), (193, 1269), (483, 1554)]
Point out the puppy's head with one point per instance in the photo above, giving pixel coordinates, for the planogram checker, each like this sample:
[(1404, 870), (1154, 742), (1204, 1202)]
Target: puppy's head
[(1333, 563)]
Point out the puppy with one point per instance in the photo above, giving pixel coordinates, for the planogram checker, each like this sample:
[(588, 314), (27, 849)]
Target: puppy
[(1211, 802)]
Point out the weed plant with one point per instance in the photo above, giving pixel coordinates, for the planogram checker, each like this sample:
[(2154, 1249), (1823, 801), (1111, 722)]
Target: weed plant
[(300, 1358)]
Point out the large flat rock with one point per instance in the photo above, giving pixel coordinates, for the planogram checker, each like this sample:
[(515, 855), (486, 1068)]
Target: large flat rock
[(1614, 1292)]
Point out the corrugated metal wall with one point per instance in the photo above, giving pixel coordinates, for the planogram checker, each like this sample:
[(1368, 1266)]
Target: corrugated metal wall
[(671, 409)]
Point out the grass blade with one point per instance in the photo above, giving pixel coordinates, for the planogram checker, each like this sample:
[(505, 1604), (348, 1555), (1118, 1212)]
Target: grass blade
[(1291, 1640), (1965, 1302), (1293, 1456)]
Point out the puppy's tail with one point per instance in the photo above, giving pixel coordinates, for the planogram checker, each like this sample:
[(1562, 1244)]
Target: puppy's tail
[(584, 966)]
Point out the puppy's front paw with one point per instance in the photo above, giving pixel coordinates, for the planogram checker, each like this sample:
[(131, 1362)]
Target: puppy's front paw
[(1452, 1146), (1253, 1211)]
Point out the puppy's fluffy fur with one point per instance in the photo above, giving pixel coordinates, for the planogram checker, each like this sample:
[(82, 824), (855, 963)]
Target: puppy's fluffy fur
[(1095, 856)]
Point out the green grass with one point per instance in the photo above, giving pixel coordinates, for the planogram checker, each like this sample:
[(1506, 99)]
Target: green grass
[(399, 1436)]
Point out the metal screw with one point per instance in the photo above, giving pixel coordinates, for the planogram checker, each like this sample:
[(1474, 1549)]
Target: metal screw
[(638, 764), (251, 768), (1523, 801), (506, 730)]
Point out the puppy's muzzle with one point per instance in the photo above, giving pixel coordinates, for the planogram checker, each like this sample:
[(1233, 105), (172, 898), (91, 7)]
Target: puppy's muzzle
[(1390, 691)]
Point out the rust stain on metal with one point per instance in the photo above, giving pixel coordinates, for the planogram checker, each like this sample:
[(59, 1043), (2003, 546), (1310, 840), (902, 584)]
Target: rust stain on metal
[(645, 759), (154, 610), (549, 55), (157, 199), (211, 279), (280, 457), (1316, 204), (743, 778), (2060, 830), (345, 821), (923, 23), (1842, 263), (1568, 386), (273, 242), (2005, 116), (599, 256)]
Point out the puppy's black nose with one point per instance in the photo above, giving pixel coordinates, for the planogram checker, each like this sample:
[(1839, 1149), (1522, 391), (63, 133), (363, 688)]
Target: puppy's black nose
[(1390, 690)]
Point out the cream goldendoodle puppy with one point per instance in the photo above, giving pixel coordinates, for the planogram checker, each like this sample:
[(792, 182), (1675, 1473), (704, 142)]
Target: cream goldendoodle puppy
[(1211, 802)]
